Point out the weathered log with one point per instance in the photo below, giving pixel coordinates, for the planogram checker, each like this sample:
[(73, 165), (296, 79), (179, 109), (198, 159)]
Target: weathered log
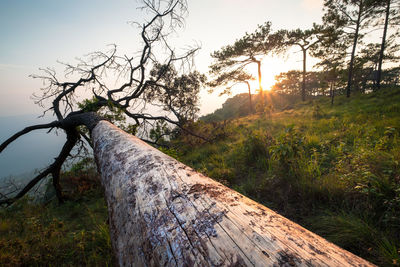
[(162, 212)]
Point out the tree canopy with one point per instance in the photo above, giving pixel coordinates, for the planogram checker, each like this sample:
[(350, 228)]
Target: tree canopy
[(231, 60)]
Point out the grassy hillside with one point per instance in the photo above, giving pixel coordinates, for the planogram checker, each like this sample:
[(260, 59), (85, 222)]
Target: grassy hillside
[(333, 169)]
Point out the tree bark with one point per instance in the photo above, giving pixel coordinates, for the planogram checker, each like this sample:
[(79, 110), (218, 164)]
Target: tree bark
[(163, 213), (259, 76), (250, 103), (350, 77), (381, 52), (303, 88), (261, 102)]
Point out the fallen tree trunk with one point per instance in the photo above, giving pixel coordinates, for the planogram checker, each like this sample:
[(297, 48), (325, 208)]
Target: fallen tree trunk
[(162, 212)]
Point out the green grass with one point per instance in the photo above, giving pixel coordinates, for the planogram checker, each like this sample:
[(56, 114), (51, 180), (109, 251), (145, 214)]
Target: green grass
[(74, 233), (333, 169)]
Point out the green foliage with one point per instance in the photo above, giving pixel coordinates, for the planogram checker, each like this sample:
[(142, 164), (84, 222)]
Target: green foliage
[(348, 230), (317, 111), (334, 169), (387, 141), (179, 94), (244, 50), (256, 147), (109, 112), (289, 145), (170, 152), (158, 132), (89, 105)]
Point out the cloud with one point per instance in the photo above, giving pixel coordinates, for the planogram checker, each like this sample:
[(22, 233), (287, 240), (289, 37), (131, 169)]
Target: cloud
[(312, 5)]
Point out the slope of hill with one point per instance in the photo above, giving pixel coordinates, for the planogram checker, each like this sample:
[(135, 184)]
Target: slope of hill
[(239, 106), (333, 169)]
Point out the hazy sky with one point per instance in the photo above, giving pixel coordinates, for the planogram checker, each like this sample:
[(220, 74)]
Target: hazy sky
[(37, 33)]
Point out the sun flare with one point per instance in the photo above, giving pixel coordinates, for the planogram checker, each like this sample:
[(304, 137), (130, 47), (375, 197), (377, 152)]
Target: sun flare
[(270, 67), (268, 72)]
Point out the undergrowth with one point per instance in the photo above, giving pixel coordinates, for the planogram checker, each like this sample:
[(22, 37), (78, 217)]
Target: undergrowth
[(74, 233), (333, 169)]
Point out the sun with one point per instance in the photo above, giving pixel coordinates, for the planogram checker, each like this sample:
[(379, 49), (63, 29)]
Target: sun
[(270, 67), (266, 85), (267, 82), (267, 79)]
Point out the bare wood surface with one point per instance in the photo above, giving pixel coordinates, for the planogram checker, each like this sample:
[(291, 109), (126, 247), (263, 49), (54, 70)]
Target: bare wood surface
[(163, 213)]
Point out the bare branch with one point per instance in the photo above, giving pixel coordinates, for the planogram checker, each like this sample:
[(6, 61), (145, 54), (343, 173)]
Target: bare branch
[(27, 130)]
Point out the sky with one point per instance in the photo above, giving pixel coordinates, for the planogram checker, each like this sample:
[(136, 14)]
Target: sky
[(37, 34)]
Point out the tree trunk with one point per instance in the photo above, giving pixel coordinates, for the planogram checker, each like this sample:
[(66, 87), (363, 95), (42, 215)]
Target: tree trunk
[(261, 103), (303, 87), (350, 77), (332, 93), (250, 103), (259, 76), (381, 52), (163, 213)]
